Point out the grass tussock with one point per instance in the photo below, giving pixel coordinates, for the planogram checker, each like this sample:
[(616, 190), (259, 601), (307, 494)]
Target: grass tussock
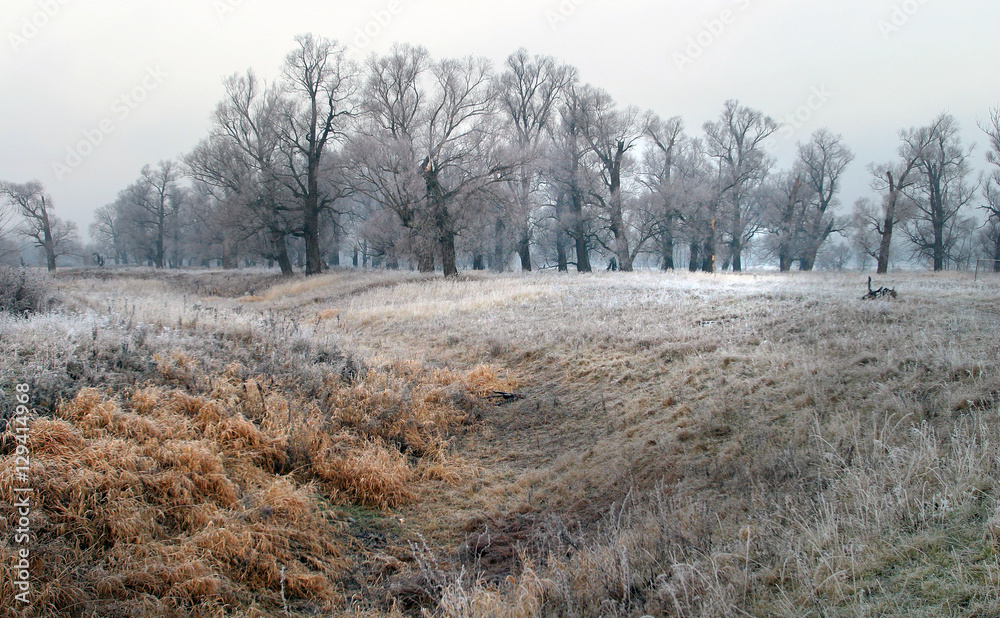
[(154, 510)]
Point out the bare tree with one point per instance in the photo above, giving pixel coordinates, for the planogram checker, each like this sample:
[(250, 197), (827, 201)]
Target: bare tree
[(573, 178), (53, 236), (660, 176), (789, 196), (321, 83), (429, 141), (240, 160), (892, 180), (529, 92), (612, 133), (153, 202), (941, 191), (385, 150), (463, 146), (991, 186), (822, 161), (736, 141), (106, 231)]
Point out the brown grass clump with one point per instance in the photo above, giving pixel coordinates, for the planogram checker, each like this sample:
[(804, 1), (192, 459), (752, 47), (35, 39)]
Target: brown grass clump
[(142, 511), (365, 472), (161, 502), (412, 407)]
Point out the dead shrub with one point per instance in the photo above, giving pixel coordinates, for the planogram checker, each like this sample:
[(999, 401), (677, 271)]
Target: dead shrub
[(22, 294)]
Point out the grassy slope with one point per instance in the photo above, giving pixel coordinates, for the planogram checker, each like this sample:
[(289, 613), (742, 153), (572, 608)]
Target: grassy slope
[(811, 452), (687, 444)]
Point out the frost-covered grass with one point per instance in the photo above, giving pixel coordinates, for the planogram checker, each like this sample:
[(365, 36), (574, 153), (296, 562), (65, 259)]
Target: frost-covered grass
[(712, 445), (688, 444)]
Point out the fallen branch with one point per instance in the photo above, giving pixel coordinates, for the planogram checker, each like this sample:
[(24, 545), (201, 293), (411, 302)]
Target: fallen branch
[(500, 398), (882, 292)]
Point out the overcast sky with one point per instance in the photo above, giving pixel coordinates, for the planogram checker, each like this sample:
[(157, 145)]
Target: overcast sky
[(91, 90)]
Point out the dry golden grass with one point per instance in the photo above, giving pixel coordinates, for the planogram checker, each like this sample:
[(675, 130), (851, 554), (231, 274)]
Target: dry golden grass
[(149, 512)]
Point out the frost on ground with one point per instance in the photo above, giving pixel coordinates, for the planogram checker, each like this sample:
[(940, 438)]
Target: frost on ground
[(687, 444)]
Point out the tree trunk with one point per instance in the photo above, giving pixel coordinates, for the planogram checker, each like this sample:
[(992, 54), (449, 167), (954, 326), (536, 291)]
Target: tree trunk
[(437, 200), (448, 258), (425, 261), (622, 251), (890, 220), (737, 255), (618, 227), (708, 251), (736, 244), (667, 246), (281, 251), (785, 256), (693, 262), (160, 250), (499, 251), (310, 232), (996, 254), (708, 256), (561, 258), (580, 232), (479, 262), (582, 254), (940, 256), (524, 252), (335, 238), (886, 242)]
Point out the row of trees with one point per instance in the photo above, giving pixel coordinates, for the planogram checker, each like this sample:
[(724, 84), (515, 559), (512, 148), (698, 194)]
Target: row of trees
[(446, 162)]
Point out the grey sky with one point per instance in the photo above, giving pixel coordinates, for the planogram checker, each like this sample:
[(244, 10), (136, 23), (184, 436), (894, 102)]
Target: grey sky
[(141, 77)]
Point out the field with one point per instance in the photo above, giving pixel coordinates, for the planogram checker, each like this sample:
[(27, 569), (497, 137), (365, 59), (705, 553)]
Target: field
[(216, 444)]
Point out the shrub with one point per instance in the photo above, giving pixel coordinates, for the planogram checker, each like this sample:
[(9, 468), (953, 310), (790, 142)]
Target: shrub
[(20, 293)]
